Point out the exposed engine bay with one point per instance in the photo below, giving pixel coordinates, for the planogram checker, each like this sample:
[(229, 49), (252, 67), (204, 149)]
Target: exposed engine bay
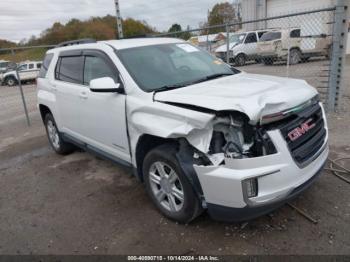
[(234, 137)]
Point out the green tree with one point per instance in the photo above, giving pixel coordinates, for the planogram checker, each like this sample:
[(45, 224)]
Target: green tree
[(175, 28), (221, 13), (178, 28)]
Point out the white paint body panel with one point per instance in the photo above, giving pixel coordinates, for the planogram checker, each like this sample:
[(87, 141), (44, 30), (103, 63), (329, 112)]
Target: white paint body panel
[(254, 95)]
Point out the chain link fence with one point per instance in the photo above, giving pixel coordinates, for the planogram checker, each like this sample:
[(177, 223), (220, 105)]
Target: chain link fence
[(307, 45)]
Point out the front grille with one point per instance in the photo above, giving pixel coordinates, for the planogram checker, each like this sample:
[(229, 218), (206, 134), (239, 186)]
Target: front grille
[(308, 144)]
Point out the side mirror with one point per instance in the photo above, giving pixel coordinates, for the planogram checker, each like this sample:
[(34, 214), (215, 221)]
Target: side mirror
[(105, 85)]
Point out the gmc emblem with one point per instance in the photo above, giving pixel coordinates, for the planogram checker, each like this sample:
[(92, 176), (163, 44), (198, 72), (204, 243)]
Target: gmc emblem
[(299, 131)]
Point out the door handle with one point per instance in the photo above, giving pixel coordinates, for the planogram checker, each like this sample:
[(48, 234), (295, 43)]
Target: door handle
[(83, 95)]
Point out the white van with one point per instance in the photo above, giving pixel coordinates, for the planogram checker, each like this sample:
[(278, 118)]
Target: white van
[(243, 47)]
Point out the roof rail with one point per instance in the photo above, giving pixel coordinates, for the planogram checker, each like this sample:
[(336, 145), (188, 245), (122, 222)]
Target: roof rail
[(77, 42)]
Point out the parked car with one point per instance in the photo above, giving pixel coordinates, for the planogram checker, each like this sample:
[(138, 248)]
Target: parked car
[(199, 134), (274, 46), (243, 48), (28, 71), (4, 65)]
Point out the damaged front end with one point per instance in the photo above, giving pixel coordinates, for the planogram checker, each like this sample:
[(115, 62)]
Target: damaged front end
[(233, 137)]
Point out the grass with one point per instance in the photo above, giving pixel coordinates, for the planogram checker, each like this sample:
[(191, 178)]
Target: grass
[(35, 54)]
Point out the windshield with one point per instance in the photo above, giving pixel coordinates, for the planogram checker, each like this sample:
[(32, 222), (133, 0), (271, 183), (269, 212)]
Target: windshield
[(237, 38), (167, 66), (269, 36)]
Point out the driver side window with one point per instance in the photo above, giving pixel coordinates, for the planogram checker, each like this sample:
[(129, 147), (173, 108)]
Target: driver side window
[(251, 38), (96, 67), (23, 67)]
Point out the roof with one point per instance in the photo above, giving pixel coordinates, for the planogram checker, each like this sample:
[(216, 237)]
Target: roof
[(137, 42), (123, 43)]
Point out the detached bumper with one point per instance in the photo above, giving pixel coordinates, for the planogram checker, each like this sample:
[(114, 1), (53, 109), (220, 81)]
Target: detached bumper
[(227, 214), (278, 176)]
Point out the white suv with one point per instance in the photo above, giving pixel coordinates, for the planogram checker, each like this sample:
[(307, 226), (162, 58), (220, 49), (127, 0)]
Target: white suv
[(198, 133)]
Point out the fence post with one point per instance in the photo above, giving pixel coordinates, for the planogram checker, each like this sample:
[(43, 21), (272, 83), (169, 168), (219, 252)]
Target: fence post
[(338, 55), (22, 94), (227, 44)]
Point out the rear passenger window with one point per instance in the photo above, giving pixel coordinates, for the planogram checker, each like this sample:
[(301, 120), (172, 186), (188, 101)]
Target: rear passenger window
[(70, 69), (96, 67), (31, 66), (45, 65)]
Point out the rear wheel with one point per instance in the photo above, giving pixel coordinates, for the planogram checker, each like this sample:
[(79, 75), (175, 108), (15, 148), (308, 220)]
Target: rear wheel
[(168, 186), (55, 138)]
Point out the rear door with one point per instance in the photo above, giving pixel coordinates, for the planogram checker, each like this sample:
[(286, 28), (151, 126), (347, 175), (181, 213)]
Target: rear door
[(68, 87)]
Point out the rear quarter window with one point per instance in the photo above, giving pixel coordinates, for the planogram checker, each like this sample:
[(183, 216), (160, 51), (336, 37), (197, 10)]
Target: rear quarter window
[(70, 69), (45, 65)]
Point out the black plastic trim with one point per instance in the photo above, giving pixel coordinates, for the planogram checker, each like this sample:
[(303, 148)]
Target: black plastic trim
[(95, 150)]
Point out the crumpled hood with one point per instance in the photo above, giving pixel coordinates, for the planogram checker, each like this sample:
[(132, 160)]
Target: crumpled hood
[(252, 94)]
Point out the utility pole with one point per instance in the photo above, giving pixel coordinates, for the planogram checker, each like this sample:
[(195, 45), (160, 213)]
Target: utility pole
[(119, 20)]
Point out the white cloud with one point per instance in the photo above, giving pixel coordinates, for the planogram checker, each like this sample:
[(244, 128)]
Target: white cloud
[(22, 18)]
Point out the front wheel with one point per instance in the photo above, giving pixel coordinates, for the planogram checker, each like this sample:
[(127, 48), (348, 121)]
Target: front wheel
[(240, 60), (294, 56), (11, 81), (168, 186)]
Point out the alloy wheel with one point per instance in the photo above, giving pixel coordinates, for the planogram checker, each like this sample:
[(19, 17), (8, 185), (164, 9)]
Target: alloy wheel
[(53, 134), (166, 186)]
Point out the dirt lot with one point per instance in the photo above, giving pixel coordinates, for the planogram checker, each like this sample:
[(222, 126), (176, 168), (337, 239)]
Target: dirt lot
[(79, 204)]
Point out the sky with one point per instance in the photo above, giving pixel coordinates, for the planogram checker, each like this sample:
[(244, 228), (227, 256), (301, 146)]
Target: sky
[(23, 18)]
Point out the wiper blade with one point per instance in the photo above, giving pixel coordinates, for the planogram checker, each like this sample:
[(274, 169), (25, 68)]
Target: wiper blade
[(211, 77), (169, 87)]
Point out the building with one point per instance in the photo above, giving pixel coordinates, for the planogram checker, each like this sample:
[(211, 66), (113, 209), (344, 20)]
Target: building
[(258, 9), (313, 24)]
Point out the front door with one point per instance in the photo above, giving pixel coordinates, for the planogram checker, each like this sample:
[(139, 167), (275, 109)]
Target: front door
[(103, 114), (250, 45)]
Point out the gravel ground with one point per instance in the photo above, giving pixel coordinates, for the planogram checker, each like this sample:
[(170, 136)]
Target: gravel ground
[(80, 204)]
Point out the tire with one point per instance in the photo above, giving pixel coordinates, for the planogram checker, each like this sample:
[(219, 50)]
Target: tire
[(305, 59), (240, 60), (168, 187), (55, 138), (294, 57), (268, 61), (11, 81)]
